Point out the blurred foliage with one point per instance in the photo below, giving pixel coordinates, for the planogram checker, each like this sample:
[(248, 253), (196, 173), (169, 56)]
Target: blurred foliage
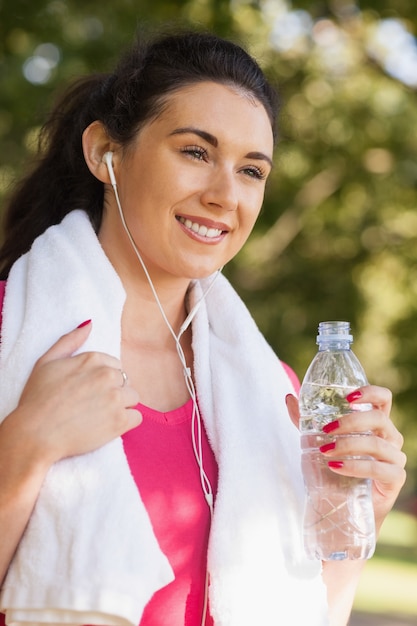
[(337, 236)]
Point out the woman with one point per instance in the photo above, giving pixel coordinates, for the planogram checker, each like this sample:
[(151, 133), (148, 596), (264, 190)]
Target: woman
[(117, 327)]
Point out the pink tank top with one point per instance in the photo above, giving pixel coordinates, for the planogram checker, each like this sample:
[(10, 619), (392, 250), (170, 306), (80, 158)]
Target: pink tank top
[(162, 461)]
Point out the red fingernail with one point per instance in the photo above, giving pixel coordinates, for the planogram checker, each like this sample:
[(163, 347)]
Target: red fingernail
[(355, 395), (331, 426), (328, 446), (335, 464), (84, 323)]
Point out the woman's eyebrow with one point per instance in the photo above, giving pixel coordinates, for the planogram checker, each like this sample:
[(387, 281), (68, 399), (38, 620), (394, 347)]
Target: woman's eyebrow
[(212, 140), (260, 156)]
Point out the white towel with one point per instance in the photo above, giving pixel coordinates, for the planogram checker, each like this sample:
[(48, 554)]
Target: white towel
[(258, 571), (89, 555)]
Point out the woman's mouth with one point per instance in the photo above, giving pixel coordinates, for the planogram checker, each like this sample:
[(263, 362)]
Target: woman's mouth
[(200, 229)]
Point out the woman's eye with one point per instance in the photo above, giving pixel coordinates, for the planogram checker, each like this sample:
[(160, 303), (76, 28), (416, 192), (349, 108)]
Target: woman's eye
[(255, 172), (196, 152)]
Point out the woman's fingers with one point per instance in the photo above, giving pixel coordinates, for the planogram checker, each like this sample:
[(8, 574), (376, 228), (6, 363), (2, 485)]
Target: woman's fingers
[(375, 421), (379, 397), (293, 410), (387, 475), (376, 455), (363, 419), (365, 456), (76, 403), (365, 444)]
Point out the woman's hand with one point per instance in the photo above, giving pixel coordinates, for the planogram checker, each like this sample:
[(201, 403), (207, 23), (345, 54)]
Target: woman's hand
[(385, 468), (384, 445), (72, 404)]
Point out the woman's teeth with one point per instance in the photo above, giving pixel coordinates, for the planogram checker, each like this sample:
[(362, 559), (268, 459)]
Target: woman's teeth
[(200, 229)]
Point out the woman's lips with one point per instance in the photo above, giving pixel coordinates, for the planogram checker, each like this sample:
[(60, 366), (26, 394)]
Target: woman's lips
[(200, 229)]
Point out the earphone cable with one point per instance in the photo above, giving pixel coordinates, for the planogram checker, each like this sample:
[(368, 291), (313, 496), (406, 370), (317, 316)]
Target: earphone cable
[(196, 421), (196, 417)]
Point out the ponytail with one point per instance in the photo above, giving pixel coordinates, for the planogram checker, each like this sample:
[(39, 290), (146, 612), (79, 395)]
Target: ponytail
[(61, 181)]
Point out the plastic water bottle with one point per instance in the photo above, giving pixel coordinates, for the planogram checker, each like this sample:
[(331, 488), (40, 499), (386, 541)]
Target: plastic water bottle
[(338, 519)]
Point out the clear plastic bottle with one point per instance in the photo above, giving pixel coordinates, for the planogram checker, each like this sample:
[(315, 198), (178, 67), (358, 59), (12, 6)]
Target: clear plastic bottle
[(339, 518)]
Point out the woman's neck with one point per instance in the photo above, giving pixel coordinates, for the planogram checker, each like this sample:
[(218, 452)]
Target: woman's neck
[(149, 351)]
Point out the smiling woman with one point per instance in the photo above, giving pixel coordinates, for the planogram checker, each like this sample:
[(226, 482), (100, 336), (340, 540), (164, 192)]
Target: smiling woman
[(149, 470), (213, 174)]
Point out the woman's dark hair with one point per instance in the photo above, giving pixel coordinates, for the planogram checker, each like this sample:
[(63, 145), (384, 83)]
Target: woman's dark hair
[(123, 101)]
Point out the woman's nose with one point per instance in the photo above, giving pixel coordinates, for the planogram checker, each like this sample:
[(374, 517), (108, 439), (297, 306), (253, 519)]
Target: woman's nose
[(221, 191)]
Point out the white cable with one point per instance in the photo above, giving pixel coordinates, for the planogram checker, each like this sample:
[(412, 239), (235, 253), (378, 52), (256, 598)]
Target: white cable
[(196, 417), (196, 422)]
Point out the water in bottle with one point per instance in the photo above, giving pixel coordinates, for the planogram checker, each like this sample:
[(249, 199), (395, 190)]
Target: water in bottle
[(339, 519)]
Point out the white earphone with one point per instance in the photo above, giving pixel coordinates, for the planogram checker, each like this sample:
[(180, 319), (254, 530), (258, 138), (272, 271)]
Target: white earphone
[(108, 159)]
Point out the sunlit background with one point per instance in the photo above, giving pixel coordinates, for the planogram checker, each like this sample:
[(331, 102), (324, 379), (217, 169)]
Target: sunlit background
[(337, 236)]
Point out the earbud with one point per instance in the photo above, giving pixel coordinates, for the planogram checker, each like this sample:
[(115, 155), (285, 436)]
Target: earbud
[(108, 159)]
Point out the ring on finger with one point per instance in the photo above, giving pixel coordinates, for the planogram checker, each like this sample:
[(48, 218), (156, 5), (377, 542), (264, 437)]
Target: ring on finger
[(125, 378)]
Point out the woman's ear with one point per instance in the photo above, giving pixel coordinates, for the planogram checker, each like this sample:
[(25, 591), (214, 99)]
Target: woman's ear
[(96, 143)]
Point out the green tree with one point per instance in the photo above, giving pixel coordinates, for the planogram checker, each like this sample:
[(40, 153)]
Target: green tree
[(336, 238)]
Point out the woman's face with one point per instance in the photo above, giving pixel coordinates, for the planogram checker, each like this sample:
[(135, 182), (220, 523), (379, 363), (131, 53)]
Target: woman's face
[(192, 185)]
